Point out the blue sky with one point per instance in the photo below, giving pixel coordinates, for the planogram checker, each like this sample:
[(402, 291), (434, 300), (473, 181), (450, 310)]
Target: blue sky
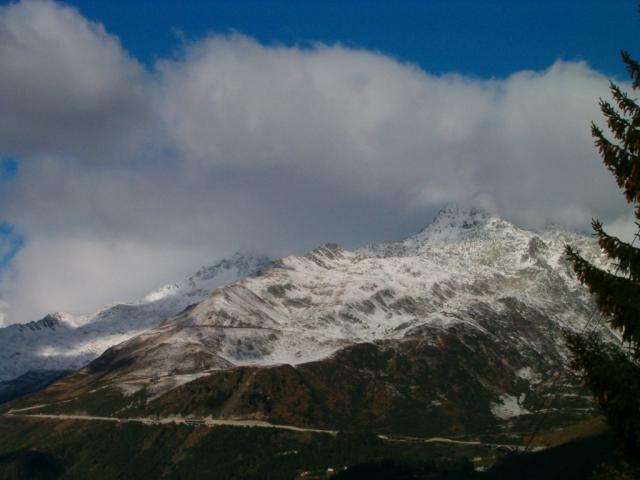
[(485, 38), (8, 168), (10, 240), (131, 155), (10, 243)]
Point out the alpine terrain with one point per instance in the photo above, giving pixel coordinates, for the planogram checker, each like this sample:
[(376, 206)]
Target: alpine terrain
[(454, 331)]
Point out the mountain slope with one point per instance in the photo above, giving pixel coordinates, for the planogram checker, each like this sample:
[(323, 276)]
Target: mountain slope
[(461, 321), (65, 342)]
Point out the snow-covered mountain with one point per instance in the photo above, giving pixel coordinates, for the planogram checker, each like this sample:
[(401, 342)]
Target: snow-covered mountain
[(61, 341), (454, 330), (467, 269)]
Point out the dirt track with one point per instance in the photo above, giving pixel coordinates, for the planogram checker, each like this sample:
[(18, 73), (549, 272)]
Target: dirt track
[(212, 422)]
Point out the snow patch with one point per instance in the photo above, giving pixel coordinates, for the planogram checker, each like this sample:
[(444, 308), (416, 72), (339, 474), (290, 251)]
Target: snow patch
[(526, 373), (508, 407)]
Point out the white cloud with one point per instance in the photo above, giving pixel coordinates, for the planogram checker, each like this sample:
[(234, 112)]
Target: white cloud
[(80, 274), (4, 318), (623, 227), (275, 148), (66, 86), (362, 124)]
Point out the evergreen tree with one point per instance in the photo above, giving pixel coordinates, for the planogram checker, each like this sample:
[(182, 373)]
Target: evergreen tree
[(612, 372)]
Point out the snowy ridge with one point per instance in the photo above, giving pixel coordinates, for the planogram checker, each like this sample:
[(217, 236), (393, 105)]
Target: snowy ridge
[(208, 278), (452, 224), (62, 341)]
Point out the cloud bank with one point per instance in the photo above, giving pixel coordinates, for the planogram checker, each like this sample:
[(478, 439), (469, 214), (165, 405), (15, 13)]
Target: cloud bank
[(130, 178)]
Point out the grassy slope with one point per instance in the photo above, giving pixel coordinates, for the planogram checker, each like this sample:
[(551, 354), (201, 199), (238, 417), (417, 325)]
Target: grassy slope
[(39, 449), (97, 450)]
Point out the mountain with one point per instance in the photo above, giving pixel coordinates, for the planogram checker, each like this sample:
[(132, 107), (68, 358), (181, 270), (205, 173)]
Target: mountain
[(29, 382), (60, 341), (456, 330)]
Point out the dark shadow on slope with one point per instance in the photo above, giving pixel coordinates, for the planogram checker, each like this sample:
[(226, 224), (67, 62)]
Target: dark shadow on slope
[(50, 332), (575, 460), (30, 382), (402, 470)]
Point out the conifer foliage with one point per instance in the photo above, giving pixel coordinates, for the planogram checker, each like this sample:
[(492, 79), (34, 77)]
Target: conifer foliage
[(612, 372)]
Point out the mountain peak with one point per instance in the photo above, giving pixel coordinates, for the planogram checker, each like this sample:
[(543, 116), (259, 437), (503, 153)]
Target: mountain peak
[(461, 216), (454, 222), (242, 263), (48, 322), (210, 277)]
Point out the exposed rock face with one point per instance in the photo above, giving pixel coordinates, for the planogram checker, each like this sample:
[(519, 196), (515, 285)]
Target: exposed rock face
[(455, 329)]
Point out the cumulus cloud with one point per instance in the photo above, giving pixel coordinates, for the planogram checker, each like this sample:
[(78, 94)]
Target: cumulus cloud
[(129, 178), (66, 86), (74, 273), (364, 125)]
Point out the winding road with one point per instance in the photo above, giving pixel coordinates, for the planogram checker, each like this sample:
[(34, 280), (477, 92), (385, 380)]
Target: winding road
[(213, 422)]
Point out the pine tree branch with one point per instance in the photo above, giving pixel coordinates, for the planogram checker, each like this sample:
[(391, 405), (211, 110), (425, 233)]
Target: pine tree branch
[(627, 106), (616, 122), (621, 163), (612, 375), (614, 380), (617, 297), (625, 131), (626, 255), (633, 68)]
